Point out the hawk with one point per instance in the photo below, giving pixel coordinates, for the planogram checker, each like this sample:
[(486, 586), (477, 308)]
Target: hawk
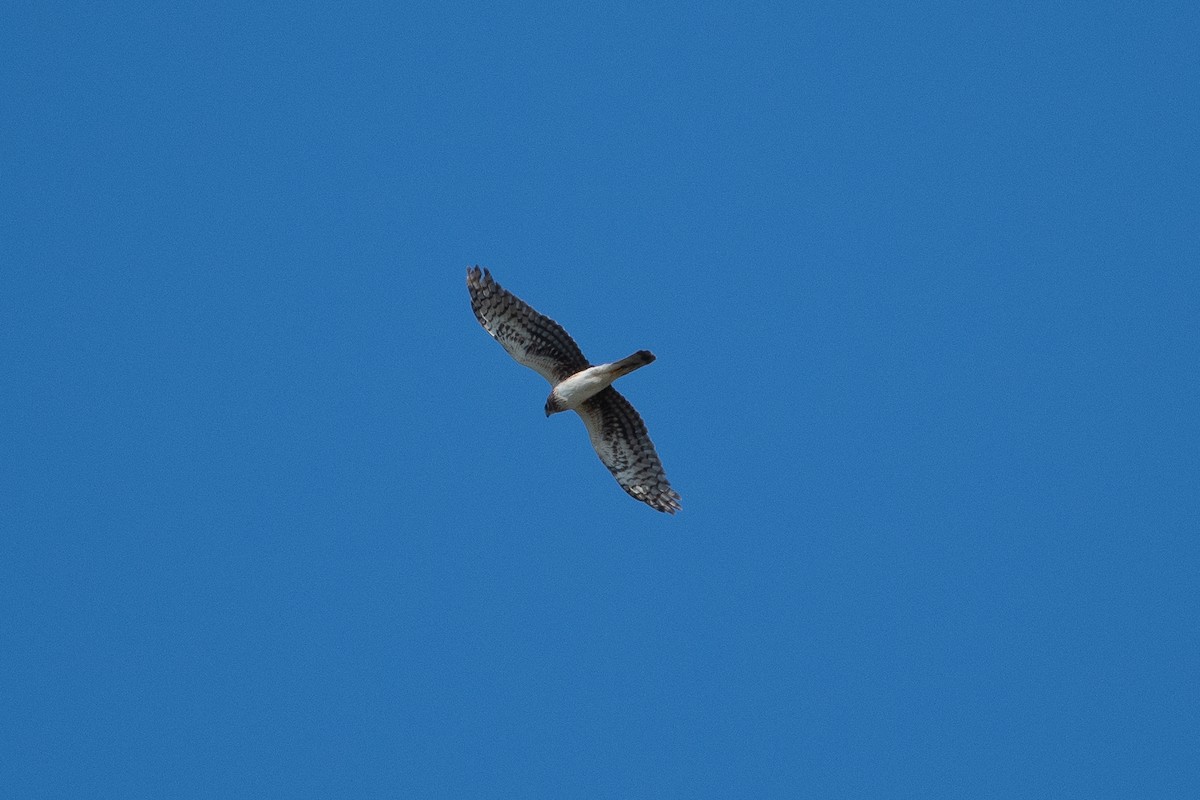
[(617, 432)]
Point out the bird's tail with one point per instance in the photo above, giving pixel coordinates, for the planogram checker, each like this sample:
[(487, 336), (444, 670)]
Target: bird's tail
[(627, 365)]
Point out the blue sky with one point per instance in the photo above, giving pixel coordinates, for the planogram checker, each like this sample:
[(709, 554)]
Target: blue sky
[(281, 520)]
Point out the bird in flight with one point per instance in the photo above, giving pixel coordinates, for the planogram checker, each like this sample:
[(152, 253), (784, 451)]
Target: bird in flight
[(617, 432)]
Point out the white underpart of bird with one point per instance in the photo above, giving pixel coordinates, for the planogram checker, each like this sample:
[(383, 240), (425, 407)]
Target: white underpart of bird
[(586, 384)]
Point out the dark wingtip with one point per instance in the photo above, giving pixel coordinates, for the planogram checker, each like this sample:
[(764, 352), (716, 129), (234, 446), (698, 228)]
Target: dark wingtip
[(478, 276), (664, 499)]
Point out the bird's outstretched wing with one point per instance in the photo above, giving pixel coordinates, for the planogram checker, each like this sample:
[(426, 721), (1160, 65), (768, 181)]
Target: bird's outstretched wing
[(621, 441), (531, 338)]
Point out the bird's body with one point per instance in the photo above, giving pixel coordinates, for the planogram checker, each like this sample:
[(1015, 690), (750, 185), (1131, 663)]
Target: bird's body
[(615, 428), (570, 394)]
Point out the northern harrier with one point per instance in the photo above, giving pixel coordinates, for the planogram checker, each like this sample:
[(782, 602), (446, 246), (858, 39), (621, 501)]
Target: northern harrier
[(617, 432)]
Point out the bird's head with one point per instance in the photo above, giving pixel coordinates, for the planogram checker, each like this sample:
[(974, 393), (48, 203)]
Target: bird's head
[(554, 404)]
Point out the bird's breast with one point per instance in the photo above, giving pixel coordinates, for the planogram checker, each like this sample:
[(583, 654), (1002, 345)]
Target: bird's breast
[(581, 386)]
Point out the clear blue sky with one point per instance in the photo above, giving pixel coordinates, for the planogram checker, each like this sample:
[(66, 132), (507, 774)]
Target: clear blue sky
[(279, 519)]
